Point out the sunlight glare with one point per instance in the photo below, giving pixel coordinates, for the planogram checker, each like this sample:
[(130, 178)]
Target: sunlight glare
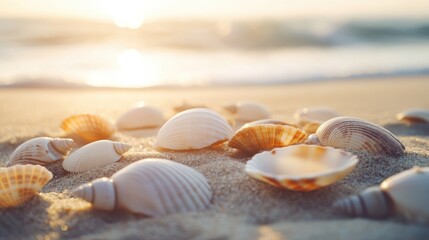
[(126, 13)]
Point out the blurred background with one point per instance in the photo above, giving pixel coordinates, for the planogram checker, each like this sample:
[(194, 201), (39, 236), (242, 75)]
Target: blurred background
[(113, 43)]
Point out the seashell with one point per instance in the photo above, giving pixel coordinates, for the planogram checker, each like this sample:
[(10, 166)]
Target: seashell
[(405, 194), (95, 155), (357, 134), (193, 129), (140, 117), (41, 150), (153, 187), (248, 111), (414, 116), (301, 167), (20, 183), (264, 135), (88, 127), (309, 119)]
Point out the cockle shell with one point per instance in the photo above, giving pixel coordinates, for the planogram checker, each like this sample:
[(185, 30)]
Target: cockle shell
[(153, 187), (309, 119), (414, 116), (403, 194), (301, 167), (94, 155), (89, 127), (140, 117), (41, 150), (20, 183), (193, 129), (266, 134), (357, 134), (248, 111)]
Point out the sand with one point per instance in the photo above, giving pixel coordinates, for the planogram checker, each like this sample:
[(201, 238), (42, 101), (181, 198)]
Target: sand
[(242, 208)]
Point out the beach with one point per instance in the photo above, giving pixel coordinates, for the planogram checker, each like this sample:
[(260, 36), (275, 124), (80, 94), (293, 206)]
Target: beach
[(241, 207)]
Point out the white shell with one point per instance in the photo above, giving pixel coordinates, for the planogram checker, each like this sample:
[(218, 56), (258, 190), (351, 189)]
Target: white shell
[(406, 194), (309, 119), (301, 167), (140, 117), (247, 111), (94, 155), (41, 150), (357, 134), (414, 115), (20, 183), (153, 187), (193, 129)]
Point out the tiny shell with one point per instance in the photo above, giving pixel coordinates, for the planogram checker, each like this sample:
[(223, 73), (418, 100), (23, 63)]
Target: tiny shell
[(88, 127), (193, 129), (95, 155), (414, 116), (20, 183), (404, 194), (41, 150), (357, 134), (248, 111), (140, 117), (309, 119), (265, 135), (301, 167), (153, 187)]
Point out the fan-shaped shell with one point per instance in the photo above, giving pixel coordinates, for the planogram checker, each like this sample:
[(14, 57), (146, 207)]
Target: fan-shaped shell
[(41, 150), (247, 111), (153, 187), (301, 167), (357, 134), (140, 117), (309, 119), (265, 135), (95, 155), (20, 183), (193, 129), (414, 116), (404, 194), (89, 127)]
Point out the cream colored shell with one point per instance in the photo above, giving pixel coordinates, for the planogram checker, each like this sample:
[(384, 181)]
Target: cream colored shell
[(309, 119), (193, 129), (403, 194), (140, 117), (20, 183), (88, 127), (41, 150), (414, 115), (301, 167), (357, 134), (95, 155), (153, 187), (247, 111)]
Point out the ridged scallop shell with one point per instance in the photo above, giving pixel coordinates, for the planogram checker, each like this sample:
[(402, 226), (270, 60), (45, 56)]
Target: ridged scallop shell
[(301, 167), (193, 129), (140, 117), (357, 134), (20, 183), (153, 187), (265, 135), (89, 127), (403, 194), (414, 116), (41, 150), (95, 155), (309, 119), (247, 111)]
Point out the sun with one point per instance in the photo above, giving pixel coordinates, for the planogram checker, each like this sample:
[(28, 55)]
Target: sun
[(126, 13)]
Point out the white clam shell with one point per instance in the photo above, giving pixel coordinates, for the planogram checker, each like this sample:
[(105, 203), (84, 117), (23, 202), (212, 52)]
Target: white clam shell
[(301, 167), (193, 129), (309, 119), (153, 187), (414, 115), (140, 117), (357, 134), (20, 183), (247, 111), (94, 155), (403, 194), (41, 150)]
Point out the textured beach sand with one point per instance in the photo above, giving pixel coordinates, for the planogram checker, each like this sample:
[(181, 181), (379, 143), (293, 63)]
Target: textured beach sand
[(242, 208)]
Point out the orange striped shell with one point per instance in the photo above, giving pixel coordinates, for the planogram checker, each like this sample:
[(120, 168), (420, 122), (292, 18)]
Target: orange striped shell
[(89, 127)]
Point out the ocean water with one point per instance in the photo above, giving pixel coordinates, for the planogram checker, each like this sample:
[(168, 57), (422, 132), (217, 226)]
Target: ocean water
[(77, 53)]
